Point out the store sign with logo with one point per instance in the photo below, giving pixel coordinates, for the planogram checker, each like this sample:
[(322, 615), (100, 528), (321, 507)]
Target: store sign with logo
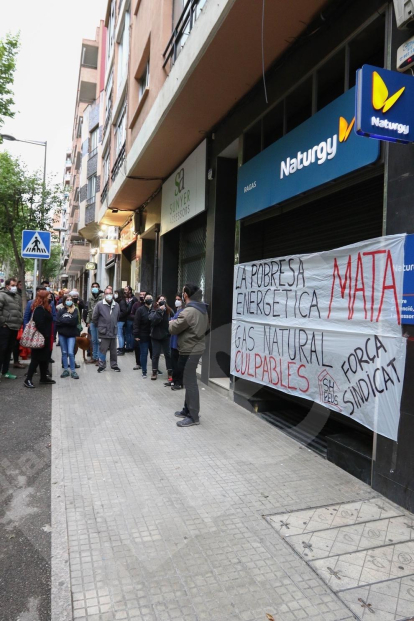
[(320, 150), (127, 235), (91, 266), (407, 311), (184, 193), (385, 105), (109, 246)]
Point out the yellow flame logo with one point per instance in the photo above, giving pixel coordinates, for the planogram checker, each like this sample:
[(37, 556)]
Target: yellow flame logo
[(380, 93), (345, 128)]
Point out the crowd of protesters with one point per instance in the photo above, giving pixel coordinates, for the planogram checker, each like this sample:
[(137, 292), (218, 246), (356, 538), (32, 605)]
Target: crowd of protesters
[(118, 322)]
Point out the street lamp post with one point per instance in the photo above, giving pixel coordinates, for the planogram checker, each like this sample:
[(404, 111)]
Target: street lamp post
[(41, 144)]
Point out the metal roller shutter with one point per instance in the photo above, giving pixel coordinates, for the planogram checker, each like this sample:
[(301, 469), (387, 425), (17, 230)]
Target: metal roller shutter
[(345, 217)]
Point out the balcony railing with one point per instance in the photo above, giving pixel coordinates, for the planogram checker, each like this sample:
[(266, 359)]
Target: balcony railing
[(118, 162), (104, 192), (188, 17), (107, 120)]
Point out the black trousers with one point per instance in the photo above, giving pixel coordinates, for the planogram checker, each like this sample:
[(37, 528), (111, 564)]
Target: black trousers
[(137, 350), (7, 341), (177, 372), (37, 360), (188, 366), (157, 346), (16, 351)]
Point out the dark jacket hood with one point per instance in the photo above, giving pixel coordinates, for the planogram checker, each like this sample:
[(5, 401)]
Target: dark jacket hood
[(200, 306)]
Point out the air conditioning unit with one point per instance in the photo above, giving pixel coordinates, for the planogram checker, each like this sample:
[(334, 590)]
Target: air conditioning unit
[(404, 12)]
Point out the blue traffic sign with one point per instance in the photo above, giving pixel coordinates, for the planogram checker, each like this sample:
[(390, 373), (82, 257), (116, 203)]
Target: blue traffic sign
[(36, 244)]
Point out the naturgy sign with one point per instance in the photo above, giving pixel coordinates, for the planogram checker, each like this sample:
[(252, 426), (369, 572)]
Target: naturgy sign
[(385, 105), (320, 150)]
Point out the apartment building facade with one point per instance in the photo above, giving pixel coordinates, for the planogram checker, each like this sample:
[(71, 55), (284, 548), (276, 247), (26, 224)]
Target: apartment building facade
[(191, 92)]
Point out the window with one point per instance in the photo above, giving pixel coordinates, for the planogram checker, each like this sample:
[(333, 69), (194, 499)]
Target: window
[(110, 32), (331, 80), (144, 80), (90, 197), (106, 166), (123, 53), (120, 131), (299, 105), (93, 142)]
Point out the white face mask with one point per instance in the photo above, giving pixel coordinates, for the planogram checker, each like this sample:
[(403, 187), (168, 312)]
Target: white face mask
[(109, 297), (116, 296), (13, 289), (178, 303)]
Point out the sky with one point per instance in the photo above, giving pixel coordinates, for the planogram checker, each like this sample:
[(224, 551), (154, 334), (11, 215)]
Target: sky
[(51, 33)]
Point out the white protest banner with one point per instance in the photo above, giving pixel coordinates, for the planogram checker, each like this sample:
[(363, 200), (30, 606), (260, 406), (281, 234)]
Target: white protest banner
[(326, 327)]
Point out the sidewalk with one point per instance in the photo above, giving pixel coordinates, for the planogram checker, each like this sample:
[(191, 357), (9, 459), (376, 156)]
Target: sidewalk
[(166, 523)]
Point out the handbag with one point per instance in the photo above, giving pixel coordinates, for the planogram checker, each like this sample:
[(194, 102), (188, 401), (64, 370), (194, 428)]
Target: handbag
[(31, 336)]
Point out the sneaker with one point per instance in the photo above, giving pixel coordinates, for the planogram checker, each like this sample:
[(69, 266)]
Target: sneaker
[(77, 366), (180, 414), (65, 373), (120, 352), (19, 365), (187, 422), (176, 387), (159, 372), (168, 384), (137, 368), (117, 369), (154, 375), (101, 369), (74, 375), (28, 383), (51, 360), (10, 376), (48, 380), (144, 376)]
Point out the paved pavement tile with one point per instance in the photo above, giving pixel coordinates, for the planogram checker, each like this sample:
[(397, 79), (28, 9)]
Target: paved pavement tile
[(167, 523)]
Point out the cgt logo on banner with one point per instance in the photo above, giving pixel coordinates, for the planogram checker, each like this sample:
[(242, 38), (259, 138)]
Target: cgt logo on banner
[(326, 327)]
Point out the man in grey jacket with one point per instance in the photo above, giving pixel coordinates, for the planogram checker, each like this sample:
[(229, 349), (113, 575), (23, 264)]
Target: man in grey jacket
[(105, 317), (11, 318), (191, 326)]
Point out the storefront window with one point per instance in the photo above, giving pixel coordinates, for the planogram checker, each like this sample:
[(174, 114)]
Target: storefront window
[(299, 105)]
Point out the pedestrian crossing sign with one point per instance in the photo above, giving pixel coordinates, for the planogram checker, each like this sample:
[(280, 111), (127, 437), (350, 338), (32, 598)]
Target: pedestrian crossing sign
[(36, 244)]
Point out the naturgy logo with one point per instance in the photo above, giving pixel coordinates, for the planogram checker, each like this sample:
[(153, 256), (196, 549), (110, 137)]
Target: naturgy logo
[(325, 150), (381, 101)]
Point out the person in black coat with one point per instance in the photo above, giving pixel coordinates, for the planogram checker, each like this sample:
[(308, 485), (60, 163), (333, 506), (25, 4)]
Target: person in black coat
[(42, 317), (123, 314), (159, 317), (142, 331), (67, 327)]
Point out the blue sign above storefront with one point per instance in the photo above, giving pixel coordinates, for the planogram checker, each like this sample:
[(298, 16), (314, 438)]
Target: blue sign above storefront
[(384, 105), (320, 150), (407, 315)]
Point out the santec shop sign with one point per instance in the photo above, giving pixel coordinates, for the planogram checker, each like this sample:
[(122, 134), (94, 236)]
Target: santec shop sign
[(385, 105), (323, 148), (184, 193)]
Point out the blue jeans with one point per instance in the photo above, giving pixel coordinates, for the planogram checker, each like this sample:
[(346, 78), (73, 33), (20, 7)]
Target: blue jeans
[(144, 346), (95, 343), (67, 347), (129, 337), (121, 339)]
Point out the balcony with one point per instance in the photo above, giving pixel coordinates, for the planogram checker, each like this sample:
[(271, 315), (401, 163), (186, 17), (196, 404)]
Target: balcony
[(181, 32), (118, 162), (79, 254)]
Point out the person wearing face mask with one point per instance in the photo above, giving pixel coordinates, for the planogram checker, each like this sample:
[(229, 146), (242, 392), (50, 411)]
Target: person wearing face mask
[(130, 300), (97, 295), (67, 327), (123, 314), (11, 318), (105, 317), (176, 382), (191, 326), (137, 348), (159, 317), (142, 331)]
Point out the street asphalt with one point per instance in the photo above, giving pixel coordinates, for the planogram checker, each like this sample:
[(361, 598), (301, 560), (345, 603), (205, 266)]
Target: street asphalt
[(25, 518)]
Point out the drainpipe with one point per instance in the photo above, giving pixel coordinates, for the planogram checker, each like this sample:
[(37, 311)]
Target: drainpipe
[(156, 259)]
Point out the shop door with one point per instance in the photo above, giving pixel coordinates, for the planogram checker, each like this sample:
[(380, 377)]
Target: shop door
[(192, 261)]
